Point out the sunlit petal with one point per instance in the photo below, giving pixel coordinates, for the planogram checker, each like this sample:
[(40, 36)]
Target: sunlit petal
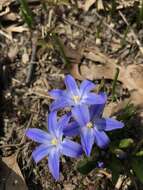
[(71, 85), (101, 139), (71, 149), (40, 152), (81, 114), (53, 162), (38, 135), (87, 139)]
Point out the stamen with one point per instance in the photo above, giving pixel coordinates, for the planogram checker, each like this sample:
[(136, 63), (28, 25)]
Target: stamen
[(89, 125), (54, 141), (76, 99)]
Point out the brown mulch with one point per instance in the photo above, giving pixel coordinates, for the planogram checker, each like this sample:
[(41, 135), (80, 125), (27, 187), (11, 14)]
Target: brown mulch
[(24, 100)]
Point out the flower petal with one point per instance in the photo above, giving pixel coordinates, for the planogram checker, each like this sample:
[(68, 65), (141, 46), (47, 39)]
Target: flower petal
[(56, 93), (86, 86), (92, 98), (64, 120), (59, 104), (81, 114), (61, 94), (109, 124), (53, 163), (38, 135), (87, 139), (40, 152), (52, 123), (100, 164), (72, 129), (71, 149), (101, 139), (104, 96), (71, 85), (97, 109)]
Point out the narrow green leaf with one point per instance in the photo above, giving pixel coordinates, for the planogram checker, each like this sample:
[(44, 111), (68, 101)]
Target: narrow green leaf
[(137, 166), (123, 40), (26, 12), (141, 10), (127, 113), (113, 7), (114, 84)]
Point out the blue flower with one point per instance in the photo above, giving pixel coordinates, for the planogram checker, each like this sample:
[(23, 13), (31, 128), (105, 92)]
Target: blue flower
[(93, 126), (52, 144), (100, 164), (74, 96)]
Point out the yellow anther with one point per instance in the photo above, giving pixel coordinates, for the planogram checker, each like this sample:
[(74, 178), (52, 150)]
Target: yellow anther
[(89, 125), (76, 99), (54, 142)]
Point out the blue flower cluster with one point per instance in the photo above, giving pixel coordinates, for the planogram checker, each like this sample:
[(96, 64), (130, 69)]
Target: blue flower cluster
[(84, 120)]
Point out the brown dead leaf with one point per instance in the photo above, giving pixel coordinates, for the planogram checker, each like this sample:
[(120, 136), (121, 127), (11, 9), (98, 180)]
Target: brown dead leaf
[(7, 32), (95, 54), (6, 35), (10, 175), (134, 73), (5, 3), (25, 57), (74, 55), (115, 44), (100, 5), (88, 4), (131, 76), (5, 11), (15, 28), (111, 108), (75, 72), (124, 4), (12, 53), (10, 16), (95, 72), (106, 69)]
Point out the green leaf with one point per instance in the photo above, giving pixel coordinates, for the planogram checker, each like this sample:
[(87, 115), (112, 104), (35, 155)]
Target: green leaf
[(85, 166), (26, 12), (114, 84), (127, 113), (115, 166), (140, 153), (119, 153), (137, 166), (126, 143)]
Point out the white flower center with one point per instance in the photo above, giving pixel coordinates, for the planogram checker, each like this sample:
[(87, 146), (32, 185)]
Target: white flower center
[(89, 125), (76, 99), (54, 141)]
